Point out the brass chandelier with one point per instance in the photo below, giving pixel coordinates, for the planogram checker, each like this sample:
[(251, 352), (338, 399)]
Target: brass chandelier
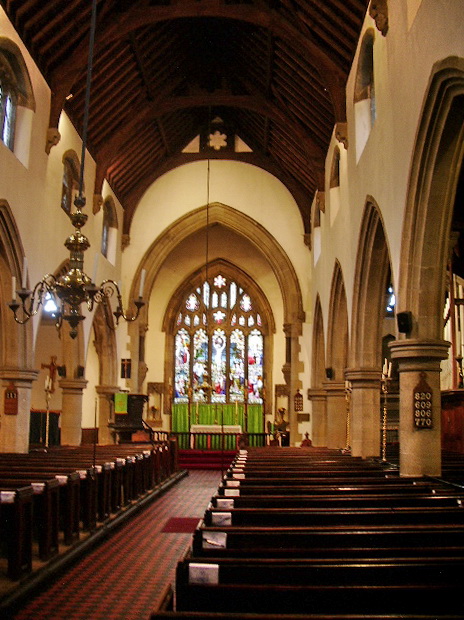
[(70, 290)]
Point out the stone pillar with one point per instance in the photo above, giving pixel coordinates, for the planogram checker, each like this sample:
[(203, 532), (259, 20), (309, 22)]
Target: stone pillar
[(105, 412), (336, 414), (71, 416), (291, 370), (318, 398), (364, 411), (419, 366), (14, 429)]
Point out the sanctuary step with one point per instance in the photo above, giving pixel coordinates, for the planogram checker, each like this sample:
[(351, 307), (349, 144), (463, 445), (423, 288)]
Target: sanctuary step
[(206, 459)]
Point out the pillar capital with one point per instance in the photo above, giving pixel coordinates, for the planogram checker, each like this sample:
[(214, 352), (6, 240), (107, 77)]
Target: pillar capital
[(73, 385), (18, 375), (363, 377), (417, 355)]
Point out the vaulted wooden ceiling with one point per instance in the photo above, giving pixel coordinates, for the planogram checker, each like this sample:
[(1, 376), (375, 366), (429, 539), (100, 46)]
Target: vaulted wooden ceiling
[(273, 71)]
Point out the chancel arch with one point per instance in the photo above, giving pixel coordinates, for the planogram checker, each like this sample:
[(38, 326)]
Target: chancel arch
[(372, 277), (337, 357), (242, 224)]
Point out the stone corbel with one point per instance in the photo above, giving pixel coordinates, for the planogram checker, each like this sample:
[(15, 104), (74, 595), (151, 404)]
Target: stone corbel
[(97, 203), (341, 134), (378, 10), (53, 137), (125, 241)]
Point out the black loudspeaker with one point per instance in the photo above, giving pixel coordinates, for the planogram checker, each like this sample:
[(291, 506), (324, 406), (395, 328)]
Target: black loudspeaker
[(404, 321), (329, 373)]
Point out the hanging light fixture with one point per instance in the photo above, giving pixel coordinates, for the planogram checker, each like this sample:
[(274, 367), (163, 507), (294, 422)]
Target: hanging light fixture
[(70, 290)]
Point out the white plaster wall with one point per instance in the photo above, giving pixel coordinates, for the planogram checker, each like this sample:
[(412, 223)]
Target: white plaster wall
[(403, 62)]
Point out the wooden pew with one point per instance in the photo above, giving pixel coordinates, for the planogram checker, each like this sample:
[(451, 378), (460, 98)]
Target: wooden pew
[(16, 529), (45, 513)]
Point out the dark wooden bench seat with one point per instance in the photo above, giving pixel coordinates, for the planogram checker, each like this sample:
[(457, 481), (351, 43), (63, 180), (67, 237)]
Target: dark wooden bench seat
[(335, 516), (322, 599), (16, 529), (330, 541), (315, 572), (331, 487), (69, 495), (45, 513), (339, 500)]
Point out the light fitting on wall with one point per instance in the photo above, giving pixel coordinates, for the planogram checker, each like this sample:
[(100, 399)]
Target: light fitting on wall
[(75, 287)]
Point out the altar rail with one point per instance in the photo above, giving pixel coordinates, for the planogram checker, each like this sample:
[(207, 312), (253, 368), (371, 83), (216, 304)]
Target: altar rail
[(220, 441)]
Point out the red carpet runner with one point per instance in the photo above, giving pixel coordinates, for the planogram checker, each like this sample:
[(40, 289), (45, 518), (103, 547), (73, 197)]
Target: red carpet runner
[(124, 577)]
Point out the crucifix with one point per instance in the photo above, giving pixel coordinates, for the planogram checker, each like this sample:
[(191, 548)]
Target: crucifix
[(52, 368)]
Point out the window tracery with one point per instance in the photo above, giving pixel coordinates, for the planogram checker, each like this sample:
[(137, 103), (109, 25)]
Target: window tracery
[(218, 345)]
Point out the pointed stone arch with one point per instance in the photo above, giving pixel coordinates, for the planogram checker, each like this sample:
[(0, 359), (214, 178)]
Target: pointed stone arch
[(242, 224), (337, 335), (370, 283), (337, 356), (247, 283), (16, 341), (317, 394), (436, 164)]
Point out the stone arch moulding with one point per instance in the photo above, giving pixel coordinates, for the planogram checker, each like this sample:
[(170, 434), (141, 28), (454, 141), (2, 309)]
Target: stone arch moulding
[(337, 335), (232, 272), (16, 340), (372, 269), (318, 361), (436, 161), (241, 224)]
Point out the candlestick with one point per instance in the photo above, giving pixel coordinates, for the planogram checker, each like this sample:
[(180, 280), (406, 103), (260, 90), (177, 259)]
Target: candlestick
[(13, 288), (142, 282), (24, 280)]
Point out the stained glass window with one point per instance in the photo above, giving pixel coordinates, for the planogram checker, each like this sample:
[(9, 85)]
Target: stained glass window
[(219, 345)]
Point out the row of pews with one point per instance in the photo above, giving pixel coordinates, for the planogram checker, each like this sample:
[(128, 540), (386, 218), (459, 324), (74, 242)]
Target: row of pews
[(316, 533), (51, 498)]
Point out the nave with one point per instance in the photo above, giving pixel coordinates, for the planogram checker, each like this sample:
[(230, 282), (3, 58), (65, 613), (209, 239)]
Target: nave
[(125, 576)]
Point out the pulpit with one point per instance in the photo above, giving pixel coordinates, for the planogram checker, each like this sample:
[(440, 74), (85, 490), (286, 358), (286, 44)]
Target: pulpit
[(128, 412)]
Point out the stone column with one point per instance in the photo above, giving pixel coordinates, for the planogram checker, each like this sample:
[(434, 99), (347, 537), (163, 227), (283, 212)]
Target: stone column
[(419, 370), (291, 370), (14, 429), (364, 411), (336, 414), (105, 412), (71, 416), (318, 398)]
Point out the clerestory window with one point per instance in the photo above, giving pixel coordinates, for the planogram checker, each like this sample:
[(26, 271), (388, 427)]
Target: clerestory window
[(8, 103)]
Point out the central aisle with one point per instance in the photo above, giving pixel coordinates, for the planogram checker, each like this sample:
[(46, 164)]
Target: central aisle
[(125, 576)]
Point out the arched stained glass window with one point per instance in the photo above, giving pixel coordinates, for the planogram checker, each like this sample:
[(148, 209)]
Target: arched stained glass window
[(219, 345)]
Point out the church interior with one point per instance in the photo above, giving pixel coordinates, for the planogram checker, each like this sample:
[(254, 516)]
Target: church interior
[(230, 242)]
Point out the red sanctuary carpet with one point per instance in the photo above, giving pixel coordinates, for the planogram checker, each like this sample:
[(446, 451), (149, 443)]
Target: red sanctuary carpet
[(125, 576)]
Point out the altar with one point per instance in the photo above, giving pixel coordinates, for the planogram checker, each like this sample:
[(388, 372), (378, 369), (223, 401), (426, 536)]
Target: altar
[(213, 431)]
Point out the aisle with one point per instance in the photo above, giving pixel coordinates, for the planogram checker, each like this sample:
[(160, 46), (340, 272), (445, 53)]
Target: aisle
[(124, 577)]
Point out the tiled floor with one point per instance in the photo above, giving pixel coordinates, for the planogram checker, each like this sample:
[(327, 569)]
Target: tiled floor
[(125, 576)]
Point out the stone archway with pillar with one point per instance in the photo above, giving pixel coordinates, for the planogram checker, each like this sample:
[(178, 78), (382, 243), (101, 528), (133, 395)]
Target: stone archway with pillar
[(436, 163), (105, 346), (318, 394), (337, 355), (265, 244), (16, 361), (364, 371)]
